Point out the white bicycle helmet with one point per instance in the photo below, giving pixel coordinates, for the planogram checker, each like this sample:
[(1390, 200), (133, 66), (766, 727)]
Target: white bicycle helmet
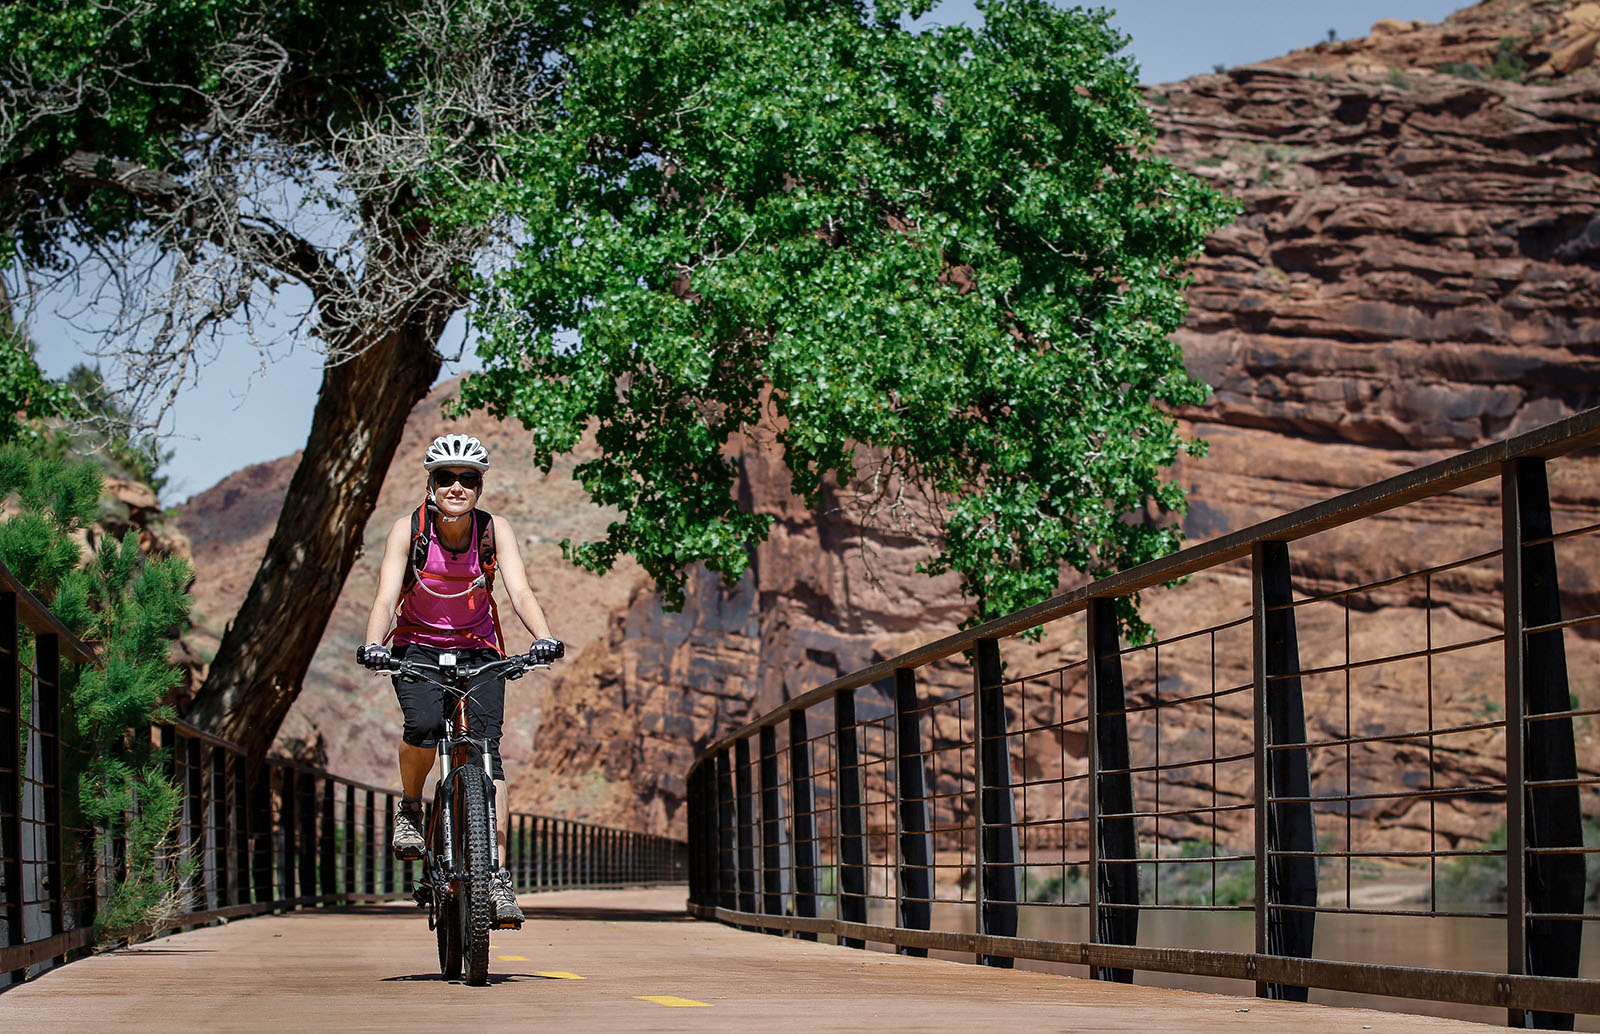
[(456, 450)]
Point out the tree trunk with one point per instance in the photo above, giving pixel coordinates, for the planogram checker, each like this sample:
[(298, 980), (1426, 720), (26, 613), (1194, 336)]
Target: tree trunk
[(361, 413)]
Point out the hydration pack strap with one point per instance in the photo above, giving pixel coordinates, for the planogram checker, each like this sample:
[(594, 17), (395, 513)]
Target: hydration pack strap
[(421, 538)]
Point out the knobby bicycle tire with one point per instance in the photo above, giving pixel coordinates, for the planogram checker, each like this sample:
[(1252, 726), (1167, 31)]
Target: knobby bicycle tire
[(473, 853)]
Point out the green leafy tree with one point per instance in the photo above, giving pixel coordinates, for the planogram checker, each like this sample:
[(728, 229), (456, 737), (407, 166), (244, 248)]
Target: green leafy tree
[(213, 170), (916, 243), (78, 414), (27, 397), (949, 256)]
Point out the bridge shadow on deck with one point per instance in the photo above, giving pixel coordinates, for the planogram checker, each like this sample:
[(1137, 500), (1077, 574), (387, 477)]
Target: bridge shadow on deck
[(494, 978), (587, 913), (602, 914)]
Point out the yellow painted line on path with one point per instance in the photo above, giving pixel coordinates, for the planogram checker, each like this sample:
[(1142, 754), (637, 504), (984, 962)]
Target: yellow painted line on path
[(512, 958), (673, 1001), (559, 975)]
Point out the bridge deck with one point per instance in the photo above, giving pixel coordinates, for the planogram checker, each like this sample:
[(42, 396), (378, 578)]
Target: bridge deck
[(375, 969)]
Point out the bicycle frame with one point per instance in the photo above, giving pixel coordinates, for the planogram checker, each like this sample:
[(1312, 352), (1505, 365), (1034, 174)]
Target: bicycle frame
[(452, 760)]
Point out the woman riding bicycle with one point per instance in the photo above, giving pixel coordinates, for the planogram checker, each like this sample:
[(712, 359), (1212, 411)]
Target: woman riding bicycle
[(436, 586)]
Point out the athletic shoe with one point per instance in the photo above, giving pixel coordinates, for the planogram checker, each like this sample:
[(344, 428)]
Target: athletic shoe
[(408, 840), (504, 896)]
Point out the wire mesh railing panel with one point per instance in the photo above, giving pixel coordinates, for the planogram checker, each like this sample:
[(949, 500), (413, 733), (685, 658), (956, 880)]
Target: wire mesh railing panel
[(946, 729), (1051, 743), (1374, 717), (875, 744)]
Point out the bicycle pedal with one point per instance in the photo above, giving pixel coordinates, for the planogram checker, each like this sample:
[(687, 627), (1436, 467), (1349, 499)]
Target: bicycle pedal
[(506, 924), (422, 895)]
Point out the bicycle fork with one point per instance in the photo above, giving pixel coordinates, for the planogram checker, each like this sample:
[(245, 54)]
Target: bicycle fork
[(445, 769)]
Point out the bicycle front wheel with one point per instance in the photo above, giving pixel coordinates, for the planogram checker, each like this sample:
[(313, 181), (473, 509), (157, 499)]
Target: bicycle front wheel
[(473, 853)]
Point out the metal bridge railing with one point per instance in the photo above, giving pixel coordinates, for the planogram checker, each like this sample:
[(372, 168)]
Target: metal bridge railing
[(1296, 783), (251, 839), (292, 835)]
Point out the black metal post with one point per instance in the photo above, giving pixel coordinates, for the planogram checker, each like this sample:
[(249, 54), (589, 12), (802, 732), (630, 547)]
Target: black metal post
[(262, 839), (528, 854), (697, 833), (329, 860), (569, 833), (243, 858), (558, 847), (1545, 778), (306, 810), (580, 854), (47, 720), (370, 848), (526, 825), (772, 867), (1116, 846), (550, 853), (807, 860), (221, 835), (586, 853), (289, 823), (916, 856), (194, 818), (997, 819), (852, 820), (542, 857), (11, 776), (745, 803), (13, 779), (383, 848), (727, 835), (1291, 878), (348, 887)]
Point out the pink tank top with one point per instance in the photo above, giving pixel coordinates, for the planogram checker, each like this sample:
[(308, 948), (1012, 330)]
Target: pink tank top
[(449, 605)]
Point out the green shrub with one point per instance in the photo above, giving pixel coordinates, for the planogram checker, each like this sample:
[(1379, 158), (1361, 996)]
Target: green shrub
[(1508, 62)]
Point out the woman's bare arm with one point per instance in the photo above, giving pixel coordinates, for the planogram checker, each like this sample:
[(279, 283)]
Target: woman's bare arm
[(391, 575)]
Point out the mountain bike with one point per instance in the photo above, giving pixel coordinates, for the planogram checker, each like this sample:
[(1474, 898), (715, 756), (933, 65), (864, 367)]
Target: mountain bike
[(460, 859)]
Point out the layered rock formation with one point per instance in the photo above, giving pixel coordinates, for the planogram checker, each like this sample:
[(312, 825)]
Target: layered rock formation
[(1414, 273), (1521, 40)]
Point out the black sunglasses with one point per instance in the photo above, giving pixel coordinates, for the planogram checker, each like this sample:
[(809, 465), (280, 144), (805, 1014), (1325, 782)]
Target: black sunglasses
[(471, 480)]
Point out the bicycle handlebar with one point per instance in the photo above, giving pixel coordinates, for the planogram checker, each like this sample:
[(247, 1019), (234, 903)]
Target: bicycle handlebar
[(515, 667)]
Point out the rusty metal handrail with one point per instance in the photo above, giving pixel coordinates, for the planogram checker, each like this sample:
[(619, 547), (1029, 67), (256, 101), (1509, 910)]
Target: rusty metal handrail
[(761, 795), (1548, 442), (38, 619)]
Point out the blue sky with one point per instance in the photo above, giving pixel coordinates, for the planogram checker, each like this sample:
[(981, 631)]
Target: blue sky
[(246, 411)]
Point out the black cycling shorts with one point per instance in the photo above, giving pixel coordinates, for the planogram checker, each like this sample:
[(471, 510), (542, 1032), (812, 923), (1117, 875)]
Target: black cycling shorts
[(423, 703)]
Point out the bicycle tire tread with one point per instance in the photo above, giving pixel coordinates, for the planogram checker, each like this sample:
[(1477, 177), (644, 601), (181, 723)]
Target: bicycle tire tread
[(478, 909)]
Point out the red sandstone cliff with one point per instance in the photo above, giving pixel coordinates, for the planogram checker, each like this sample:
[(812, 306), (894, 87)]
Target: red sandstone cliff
[(1416, 271)]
